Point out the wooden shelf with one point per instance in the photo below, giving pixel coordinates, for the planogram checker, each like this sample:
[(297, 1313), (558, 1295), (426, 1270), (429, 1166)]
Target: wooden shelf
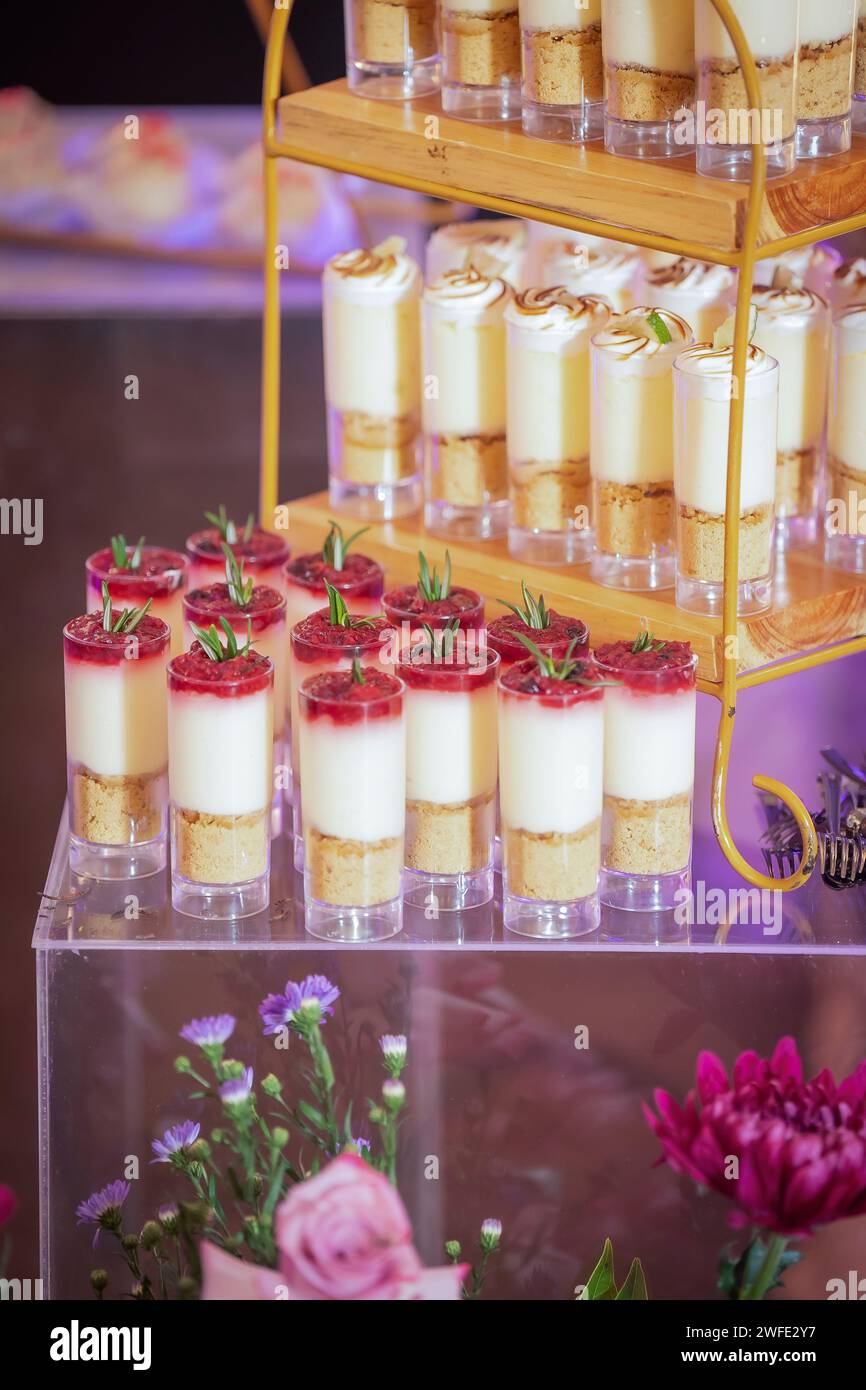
[(489, 165), (815, 606)]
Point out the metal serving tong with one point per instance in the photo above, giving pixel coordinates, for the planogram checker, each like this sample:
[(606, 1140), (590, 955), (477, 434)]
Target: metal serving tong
[(841, 826)]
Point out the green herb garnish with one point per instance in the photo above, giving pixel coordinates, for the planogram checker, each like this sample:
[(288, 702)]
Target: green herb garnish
[(645, 642), (430, 586), (211, 643), (336, 547), (533, 613), (338, 613), (357, 674), (120, 553), (127, 620), (659, 327), (227, 528), (439, 641), (240, 589)]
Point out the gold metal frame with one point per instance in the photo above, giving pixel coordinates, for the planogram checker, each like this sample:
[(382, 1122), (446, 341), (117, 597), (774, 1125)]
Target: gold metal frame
[(743, 260)]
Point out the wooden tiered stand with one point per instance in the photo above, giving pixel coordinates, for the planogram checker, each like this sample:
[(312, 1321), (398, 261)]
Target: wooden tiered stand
[(819, 614)]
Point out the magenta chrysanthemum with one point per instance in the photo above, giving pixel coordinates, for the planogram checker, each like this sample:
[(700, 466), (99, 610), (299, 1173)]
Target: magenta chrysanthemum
[(799, 1146)]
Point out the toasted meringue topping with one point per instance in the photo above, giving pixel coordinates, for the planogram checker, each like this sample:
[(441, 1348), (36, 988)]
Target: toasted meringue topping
[(792, 301), (468, 289), (632, 335), (387, 269), (851, 272), (692, 276), (704, 360), (556, 310)]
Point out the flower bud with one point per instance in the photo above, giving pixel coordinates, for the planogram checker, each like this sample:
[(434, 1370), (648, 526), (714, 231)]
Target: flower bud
[(186, 1287), (98, 1280), (182, 1064), (453, 1249), (129, 1242), (280, 1137), (491, 1234), (151, 1235), (200, 1149), (271, 1085), (394, 1094)]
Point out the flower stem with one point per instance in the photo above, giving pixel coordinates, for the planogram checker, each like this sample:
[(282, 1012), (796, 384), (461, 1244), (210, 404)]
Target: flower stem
[(766, 1275)]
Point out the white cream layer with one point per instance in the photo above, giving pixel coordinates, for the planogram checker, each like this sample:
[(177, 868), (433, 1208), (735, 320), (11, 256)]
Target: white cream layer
[(559, 14), (825, 21), (220, 752), (847, 440), (354, 778), (464, 355), (702, 415), (548, 398), (450, 744), (115, 716), (299, 671), (480, 6), (794, 327), (550, 765), (169, 609), (770, 26), (649, 744), (272, 641), (655, 34)]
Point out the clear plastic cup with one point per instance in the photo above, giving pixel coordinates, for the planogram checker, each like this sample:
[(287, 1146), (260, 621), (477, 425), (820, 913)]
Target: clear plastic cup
[(480, 59), (563, 81), (845, 509), (649, 77), (392, 48), (828, 47)]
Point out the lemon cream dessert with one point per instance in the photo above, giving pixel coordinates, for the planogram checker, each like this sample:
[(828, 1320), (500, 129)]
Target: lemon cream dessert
[(703, 377), (632, 447), (549, 333), (828, 37), (614, 272), (724, 149), (701, 293), (392, 48), (371, 324), (846, 449), (563, 83), (480, 59), (499, 244), (464, 404), (794, 327), (649, 74)]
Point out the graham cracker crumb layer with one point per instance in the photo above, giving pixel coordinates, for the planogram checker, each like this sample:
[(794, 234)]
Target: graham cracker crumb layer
[(641, 94), (796, 482), (723, 88), (394, 31), (449, 839), (633, 520), (860, 58), (378, 450), (547, 494), (472, 471), (563, 67), (117, 810), (824, 81), (352, 873), (479, 50), (701, 544), (842, 480), (647, 837), (555, 867), (220, 849)]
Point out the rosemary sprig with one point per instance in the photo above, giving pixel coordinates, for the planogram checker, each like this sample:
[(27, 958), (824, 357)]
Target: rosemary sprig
[(211, 643), (430, 586), (534, 611), (336, 546), (227, 528), (358, 677), (564, 670), (240, 589), (120, 553), (439, 641), (127, 620), (645, 642), (338, 613)]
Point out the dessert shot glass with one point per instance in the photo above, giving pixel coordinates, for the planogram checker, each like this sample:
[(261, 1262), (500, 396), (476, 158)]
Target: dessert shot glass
[(649, 77), (353, 752), (480, 59), (502, 241), (551, 739), (726, 128), (563, 81), (371, 325), (611, 272), (632, 448), (702, 294), (649, 773), (703, 384), (263, 553), (392, 48), (807, 267), (450, 773), (116, 742), (136, 573), (845, 512), (858, 113), (549, 333), (434, 602), (465, 467), (825, 82), (331, 639), (794, 326), (220, 751)]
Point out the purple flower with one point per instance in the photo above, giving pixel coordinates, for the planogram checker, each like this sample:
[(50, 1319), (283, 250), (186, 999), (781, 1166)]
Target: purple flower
[(237, 1090), (211, 1031), (281, 1009), (175, 1141), (102, 1208)]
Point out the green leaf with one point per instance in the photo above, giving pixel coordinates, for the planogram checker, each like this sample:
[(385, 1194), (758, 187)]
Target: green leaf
[(336, 546), (314, 1116), (601, 1286), (106, 607), (357, 674), (136, 554), (338, 613), (221, 521), (634, 1289), (645, 642), (250, 527), (240, 589), (659, 327), (231, 640), (118, 551)]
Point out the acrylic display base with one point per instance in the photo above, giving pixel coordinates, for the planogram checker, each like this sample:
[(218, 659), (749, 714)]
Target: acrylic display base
[(550, 921), (220, 902), (568, 125), (435, 893), (702, 596), (502, 103), (846, 553), (352, 925), (633, 572), (466, 523), (734, 162), (376, 501), (114, 863), (550, 547), (643, 139), (795, 532), (392, 82), (818, 139), (645, 892)]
